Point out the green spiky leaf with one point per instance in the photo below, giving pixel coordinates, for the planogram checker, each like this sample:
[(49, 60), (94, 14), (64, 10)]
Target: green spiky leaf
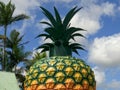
[(74, 35), (58, 19), (49, 16), (69, 16), (44, 35), (60, 33), (75, 51), (47, 23)]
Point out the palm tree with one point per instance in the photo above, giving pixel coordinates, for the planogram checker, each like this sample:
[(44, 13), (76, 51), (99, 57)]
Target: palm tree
[(6, 18), (0, 56), (16, 54), (37, 56), (60, 32), (15, 50)]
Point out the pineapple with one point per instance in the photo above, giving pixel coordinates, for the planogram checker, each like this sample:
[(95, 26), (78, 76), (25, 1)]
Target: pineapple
[(60, 71)]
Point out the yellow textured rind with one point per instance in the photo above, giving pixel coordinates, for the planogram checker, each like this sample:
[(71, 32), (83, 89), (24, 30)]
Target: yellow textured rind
[(60, 73)]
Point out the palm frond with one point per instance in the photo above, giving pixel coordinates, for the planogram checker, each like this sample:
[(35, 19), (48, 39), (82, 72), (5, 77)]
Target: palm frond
[(21, 44), (19, 17), (2, 5)]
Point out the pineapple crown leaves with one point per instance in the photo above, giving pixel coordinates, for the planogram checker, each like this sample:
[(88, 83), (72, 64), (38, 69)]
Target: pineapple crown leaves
[(71, 33), (69, 16), (75, 46), (46, 47), (60, 31), (57, 28)]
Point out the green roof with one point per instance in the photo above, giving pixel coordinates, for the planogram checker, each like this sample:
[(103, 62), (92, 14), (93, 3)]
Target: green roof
[(8, 81)]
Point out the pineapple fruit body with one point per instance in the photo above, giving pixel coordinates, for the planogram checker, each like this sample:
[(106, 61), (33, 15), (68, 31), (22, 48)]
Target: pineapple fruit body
[(60, 73)]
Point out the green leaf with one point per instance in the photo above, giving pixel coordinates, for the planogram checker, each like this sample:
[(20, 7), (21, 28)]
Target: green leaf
[(46, 45), (19, 17), (78, 34), (49, 16), (47, 23), (52, 33), (74, 44), (24, 43), (58, 19), (69, 16), (72, 30), (74, 35), (78, 47), (44, 35), (59, 30), (50, 30), (20, 38), (75, 51)]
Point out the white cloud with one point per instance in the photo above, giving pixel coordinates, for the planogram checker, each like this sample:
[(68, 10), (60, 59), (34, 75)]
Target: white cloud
[(89, 17), (21, 30), (107, 79), (25, 7), (67, 1), (63, 1), (99, 75), (105, 51), (114, 85)]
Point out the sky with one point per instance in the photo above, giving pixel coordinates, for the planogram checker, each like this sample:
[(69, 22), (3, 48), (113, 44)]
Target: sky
[(101, 19)]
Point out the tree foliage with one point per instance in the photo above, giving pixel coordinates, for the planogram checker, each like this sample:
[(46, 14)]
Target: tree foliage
[(6, 18)]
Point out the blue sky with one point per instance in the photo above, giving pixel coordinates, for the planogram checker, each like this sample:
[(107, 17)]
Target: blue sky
[(101, 19)]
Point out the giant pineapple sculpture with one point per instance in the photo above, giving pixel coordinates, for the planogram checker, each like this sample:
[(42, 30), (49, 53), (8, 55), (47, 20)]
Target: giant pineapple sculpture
[(60, 71)]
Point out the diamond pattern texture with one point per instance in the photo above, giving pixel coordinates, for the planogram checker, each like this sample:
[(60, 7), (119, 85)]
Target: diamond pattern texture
[(60, 73)]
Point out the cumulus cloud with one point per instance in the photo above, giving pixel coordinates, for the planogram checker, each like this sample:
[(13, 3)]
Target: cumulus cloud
[(105, 51), (24, 7), (89, 17), (107, 79), (99, 75)]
